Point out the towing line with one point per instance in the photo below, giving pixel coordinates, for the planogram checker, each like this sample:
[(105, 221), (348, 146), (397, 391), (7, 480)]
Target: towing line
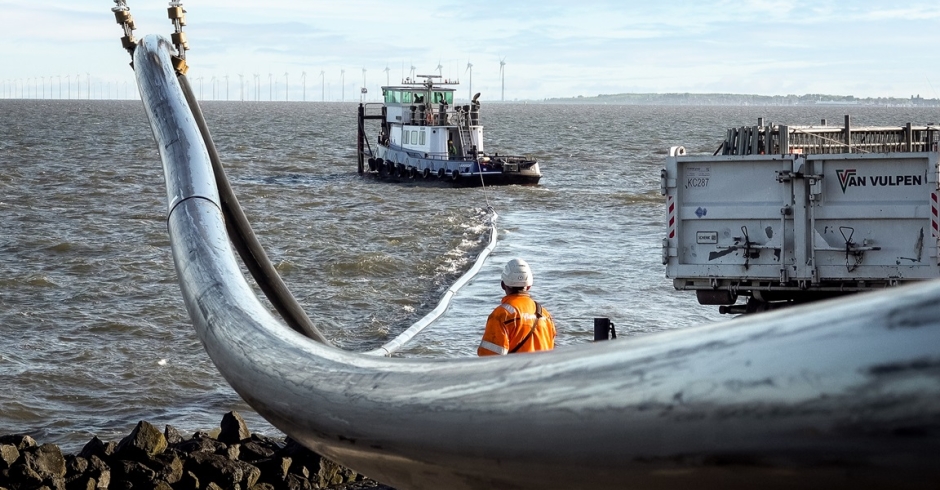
[(122, 14)]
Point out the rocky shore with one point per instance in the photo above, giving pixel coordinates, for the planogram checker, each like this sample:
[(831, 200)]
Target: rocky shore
[(149, 458)]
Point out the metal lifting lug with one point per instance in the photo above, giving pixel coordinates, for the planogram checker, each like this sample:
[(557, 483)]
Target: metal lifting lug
[(176, 13), (179, 39), (123, 16), (179, 64), (129, 42)]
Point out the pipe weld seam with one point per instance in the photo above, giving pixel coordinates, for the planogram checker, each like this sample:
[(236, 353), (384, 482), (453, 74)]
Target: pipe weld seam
[(181, 201)]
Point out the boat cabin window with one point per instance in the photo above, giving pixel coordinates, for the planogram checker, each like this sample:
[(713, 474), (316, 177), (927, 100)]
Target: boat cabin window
[(409, 97), (447, 97), (398, 97)]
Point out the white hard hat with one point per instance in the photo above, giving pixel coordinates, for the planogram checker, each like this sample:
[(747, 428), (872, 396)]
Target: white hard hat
[(517, 274)]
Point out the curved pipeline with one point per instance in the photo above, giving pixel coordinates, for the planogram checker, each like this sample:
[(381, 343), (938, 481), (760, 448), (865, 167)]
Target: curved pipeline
[(840, 395)]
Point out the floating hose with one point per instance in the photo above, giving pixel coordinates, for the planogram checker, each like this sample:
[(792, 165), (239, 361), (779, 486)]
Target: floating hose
[(393, 345)]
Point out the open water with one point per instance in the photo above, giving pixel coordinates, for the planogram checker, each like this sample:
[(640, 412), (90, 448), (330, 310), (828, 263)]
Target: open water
[(95, 336)]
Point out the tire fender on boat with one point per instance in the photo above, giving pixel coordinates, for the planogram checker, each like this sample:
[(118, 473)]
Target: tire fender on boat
[(372, 164), (455, 175), (440, 173), (426, 173), (412, 172)]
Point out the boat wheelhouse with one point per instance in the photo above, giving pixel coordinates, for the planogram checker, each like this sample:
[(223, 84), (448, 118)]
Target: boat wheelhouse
[(424, 135)]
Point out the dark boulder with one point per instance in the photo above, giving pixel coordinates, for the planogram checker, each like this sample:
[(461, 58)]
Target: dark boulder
[(273, 470), (8, 455), (168, 466), (217, 468), (20, 441), (172, 435), (96, 448), (142, 444), (252, 451), (233, 428), (201, 442)]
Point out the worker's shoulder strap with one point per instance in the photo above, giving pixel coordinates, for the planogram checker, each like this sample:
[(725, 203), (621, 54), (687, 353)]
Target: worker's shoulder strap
[(535, 324)]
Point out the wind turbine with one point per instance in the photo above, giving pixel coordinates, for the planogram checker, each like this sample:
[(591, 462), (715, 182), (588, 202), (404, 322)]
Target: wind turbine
[(303, 77), (502, 77), (363, 96), (257, 87), (322, 85), (386, 74), (270, 87), (241, 87), (342, 74), (439, 68), (412, 77), (470, 85), (286, 87)]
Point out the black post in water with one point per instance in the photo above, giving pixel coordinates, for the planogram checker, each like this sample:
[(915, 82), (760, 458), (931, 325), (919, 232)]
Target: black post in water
[(360, 139), (604, 329)]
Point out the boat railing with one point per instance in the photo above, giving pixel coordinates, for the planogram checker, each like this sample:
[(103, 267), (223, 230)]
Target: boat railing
[(372, 109), (828, 139), (422, 115)]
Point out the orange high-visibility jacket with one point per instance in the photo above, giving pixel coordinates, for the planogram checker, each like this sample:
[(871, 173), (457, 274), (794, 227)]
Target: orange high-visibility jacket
[(509, 324)]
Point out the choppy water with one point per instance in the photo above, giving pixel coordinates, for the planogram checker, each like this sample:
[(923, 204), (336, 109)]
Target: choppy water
[(95, 335)]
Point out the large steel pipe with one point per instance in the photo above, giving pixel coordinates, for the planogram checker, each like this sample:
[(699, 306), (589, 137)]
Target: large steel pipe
[(844, 394)]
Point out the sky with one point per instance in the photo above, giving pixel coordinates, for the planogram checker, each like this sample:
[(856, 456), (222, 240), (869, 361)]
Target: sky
[(321, 49)]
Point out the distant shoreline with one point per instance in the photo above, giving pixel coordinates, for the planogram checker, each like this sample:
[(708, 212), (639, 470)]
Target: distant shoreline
[(816, 100)]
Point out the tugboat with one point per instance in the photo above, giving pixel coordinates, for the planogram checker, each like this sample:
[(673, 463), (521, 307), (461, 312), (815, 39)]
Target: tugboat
[(424, 136)]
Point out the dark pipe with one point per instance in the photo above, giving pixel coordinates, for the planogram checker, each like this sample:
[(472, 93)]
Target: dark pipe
[(244, 238)]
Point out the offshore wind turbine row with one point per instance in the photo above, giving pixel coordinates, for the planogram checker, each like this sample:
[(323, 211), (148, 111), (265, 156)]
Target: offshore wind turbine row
[(239, 87)]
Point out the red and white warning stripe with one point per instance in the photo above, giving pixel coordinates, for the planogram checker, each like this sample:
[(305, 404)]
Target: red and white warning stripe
[(671, 215), (935, 215)]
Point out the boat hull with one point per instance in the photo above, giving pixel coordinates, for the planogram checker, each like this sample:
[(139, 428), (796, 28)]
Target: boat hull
[(399, 165)]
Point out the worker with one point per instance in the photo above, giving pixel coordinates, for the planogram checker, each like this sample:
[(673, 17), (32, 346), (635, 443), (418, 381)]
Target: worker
[(518, 324), (451, 149)]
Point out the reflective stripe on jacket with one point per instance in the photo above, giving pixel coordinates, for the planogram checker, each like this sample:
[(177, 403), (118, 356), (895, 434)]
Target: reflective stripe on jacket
[(509, 324)]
